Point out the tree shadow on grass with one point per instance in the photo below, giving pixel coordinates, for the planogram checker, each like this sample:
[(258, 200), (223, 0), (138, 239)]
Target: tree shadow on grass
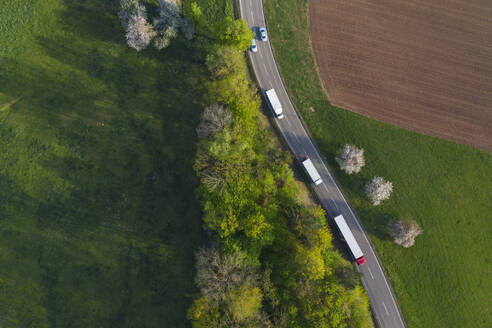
[(375, 222), (126, 186), (92, 19)]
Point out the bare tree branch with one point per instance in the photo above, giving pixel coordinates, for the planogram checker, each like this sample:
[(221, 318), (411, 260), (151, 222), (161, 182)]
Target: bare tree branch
[(218, 274), (214, 118)]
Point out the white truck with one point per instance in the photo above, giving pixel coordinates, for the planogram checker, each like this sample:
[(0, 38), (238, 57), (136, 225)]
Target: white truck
[(350, 240), (311, 171), (275, 103)]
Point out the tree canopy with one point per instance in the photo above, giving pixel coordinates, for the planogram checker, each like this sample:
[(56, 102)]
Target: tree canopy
[(271, 261)]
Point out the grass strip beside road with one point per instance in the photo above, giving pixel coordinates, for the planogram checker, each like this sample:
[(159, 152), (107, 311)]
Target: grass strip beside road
[(446, 187)]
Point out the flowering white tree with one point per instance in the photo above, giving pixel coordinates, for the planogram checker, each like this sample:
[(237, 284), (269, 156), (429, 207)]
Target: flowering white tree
[(139, 33), (351, 159), (378, 190), (170, 22), (404, 232)]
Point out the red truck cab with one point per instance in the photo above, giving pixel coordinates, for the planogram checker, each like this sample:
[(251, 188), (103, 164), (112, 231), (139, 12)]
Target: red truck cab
[(361, 260)]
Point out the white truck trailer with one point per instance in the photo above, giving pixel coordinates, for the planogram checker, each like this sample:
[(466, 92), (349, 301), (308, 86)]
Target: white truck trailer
[(311, 171), (350, 240), (275, 103)]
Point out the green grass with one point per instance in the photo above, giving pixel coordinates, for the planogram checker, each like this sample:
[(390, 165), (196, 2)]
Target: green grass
[(444, 280), (98, 216)]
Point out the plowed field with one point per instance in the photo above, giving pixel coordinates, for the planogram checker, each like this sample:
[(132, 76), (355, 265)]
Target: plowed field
[(424, 65)]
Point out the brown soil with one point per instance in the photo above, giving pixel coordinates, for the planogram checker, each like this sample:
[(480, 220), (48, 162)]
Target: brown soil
[(425, 65)]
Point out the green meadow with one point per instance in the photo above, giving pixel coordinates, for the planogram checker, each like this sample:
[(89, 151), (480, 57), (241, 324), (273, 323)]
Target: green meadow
[(445, 279), (98, 214)]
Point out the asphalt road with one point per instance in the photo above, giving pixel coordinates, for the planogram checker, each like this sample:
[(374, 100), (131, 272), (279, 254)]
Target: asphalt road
[(383, 302)]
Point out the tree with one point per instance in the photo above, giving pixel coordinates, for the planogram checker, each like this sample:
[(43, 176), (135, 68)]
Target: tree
[(204, 313), (128, 9), (170, 22), (214, 118), (240, 311), (217, 275), (244, 302), (229, 286), (356, 307), (321, 304), (351, 159), (404, 232), (213, 179), (310, 262), (378, 190), (164, 38), (225, 61), (194, 14), (235, 32), (229, 84), (139, 33)]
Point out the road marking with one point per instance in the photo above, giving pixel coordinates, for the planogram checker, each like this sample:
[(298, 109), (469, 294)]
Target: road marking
[(276, 74), (331, 199), (264, 66), (287, 120), (370, 272), (297, 138), (273, 69), (252, 17), (326, 188), (384, 305), (376, 311)]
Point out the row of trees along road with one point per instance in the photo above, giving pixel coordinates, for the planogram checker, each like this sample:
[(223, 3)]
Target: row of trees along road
[(270, 260)]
